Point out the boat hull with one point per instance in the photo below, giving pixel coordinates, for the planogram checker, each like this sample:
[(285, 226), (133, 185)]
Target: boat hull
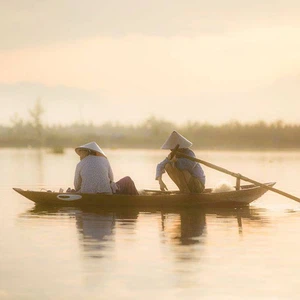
[(237, 198)]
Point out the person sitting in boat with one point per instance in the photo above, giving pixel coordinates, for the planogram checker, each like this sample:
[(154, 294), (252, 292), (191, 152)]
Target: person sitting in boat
[(186, 174), (94, 174)]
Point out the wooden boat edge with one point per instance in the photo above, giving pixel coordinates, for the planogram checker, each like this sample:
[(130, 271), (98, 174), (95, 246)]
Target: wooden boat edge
[(245, 196)]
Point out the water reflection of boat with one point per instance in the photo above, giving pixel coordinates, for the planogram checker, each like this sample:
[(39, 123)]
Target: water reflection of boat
[(183, 225), (96, 227), (148, 198), (96, 230), (123, 213), (187, 228)]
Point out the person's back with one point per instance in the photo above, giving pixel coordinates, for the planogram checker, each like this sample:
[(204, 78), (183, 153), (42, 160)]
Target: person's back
[(93, 175), (186, 174)]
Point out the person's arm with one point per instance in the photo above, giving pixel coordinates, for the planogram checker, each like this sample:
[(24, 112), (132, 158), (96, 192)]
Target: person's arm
[(110, 173), (114, 187), (160, 169), (77, 179), (162, 185)]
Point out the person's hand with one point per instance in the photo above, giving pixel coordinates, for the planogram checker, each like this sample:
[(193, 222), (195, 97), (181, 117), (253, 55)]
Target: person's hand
[(162, 185)]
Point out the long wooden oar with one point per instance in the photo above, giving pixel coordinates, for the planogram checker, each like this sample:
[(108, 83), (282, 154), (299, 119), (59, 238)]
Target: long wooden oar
[(237, 175)]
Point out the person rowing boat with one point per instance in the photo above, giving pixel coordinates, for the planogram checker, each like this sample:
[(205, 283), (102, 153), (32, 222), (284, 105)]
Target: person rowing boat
[(186, 174)]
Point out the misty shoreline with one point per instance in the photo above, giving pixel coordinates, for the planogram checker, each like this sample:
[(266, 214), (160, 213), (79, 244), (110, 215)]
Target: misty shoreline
[(150, 134)]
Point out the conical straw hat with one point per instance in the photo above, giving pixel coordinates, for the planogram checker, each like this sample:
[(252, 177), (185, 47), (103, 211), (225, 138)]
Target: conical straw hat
[(91, 146), (174, 139)]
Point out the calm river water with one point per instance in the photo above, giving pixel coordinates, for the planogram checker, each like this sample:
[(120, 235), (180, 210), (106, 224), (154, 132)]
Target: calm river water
[(70, 253)]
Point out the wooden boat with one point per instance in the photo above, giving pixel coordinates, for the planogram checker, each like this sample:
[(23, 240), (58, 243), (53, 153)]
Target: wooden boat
[(150, 198)]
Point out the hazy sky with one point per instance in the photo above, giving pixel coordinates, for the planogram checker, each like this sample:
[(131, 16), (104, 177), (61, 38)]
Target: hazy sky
[(207, 61)]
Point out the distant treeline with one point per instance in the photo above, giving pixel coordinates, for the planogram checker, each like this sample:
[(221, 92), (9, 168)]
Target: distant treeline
[(149, 134), (152, 133)]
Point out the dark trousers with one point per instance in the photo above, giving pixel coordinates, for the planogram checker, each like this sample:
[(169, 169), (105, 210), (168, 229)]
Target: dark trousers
[(126, 186)]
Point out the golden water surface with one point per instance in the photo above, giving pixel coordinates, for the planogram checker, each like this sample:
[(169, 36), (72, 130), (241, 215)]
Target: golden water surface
[(70, 253)]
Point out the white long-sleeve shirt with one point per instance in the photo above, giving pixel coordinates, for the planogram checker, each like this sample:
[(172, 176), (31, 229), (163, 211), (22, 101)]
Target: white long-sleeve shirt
[(93, 174)]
